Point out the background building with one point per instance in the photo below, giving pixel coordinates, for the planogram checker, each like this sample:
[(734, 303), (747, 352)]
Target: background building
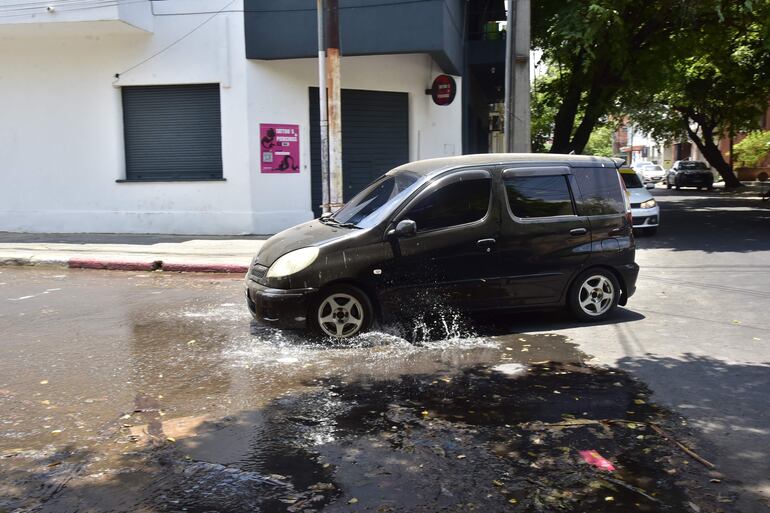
[(151, 117)]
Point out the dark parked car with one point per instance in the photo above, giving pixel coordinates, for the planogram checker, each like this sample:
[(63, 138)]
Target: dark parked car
[(690, 173), (478, 232)]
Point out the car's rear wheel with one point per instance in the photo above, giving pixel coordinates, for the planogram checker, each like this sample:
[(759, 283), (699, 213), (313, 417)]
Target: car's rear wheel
[(594, 295), (342, 311)]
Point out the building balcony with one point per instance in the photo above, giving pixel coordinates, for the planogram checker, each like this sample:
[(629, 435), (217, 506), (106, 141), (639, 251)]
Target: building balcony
[(75, 17), (287, 29)]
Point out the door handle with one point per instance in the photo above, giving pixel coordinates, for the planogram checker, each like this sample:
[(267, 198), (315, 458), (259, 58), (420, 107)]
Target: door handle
[(487, 244), (578, 231)]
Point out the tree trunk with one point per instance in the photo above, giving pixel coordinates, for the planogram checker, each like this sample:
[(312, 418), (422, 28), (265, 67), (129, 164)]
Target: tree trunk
[(712, 154), (565, 117)]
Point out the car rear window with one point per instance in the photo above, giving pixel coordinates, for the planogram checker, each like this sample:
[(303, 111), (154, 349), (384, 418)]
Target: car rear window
[(600, 190), (539, 196), (631, 180), (694, 164)]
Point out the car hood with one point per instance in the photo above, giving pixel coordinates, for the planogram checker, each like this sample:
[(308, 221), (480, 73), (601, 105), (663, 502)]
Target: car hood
[(639, 195), (311, 233)]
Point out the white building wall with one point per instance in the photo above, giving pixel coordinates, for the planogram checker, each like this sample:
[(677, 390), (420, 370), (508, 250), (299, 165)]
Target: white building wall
[(61, 139), (278, 93)]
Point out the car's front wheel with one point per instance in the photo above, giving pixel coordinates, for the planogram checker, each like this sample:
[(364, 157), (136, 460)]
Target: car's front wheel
[(342, 311), (594, 295)]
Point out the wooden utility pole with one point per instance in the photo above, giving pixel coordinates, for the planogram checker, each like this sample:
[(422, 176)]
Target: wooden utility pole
[(517, 89), (335, 105), (323, 107)]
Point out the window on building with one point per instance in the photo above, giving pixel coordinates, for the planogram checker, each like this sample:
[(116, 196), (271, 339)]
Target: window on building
[(539, 196), (172, 132), (600, 190), (457, 203)]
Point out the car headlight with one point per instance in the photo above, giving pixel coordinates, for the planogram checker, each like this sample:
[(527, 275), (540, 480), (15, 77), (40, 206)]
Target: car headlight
[(648, 204), (292, 262)]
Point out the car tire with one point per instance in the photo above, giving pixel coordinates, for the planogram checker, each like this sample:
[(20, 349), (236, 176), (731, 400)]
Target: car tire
[(668, 185), (594, 295), (341, 311)]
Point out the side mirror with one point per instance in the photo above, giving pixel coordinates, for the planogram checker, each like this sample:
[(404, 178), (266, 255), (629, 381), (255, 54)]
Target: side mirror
[(404, 228), (649, 186)]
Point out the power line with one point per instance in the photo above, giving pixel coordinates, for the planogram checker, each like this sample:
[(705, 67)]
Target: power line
[(117, 75)]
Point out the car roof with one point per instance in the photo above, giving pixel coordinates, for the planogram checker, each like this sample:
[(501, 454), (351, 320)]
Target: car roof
[(437, 165)]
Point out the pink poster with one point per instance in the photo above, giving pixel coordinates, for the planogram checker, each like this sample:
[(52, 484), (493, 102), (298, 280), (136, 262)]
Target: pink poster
[(279, 146)]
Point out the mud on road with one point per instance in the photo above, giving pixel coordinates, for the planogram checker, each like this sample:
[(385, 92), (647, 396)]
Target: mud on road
[(153, 393)]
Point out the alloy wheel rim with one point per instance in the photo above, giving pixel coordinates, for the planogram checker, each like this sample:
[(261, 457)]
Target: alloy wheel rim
[(596, 295), (340, 315)]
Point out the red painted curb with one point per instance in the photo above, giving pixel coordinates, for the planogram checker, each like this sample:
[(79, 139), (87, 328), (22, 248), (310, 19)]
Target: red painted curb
[(206, 268), (116, 265)]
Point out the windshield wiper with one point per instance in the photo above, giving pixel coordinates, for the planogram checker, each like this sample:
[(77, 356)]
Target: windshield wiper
[(333, 222)]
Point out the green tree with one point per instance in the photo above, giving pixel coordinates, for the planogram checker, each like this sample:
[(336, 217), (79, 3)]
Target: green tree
[(600, 142), (598, 51), (753, 149), (720, 87)]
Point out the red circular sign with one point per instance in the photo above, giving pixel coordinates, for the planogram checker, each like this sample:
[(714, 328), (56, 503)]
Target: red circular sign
[(443, 90)]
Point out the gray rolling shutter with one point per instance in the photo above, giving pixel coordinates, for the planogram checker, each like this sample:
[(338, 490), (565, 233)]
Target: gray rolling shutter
[(375, 138), (172, 132)]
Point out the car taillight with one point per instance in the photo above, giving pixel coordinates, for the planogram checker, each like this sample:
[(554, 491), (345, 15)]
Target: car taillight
[(627, 198)]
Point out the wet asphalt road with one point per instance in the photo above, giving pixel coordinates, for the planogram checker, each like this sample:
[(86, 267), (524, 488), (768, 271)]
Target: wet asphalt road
[(154, 392)]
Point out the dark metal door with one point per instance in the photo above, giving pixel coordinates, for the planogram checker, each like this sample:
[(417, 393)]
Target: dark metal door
[(375, 139)]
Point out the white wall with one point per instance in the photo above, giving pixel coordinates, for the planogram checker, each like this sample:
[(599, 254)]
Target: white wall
[(61, 139), (136, 13), (278, 93)]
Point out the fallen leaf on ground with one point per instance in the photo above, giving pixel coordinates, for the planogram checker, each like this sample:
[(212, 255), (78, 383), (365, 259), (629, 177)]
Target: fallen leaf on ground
[(597, 460), (44, 382), (352, 501)]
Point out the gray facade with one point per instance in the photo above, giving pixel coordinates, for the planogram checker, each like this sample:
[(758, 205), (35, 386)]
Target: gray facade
[(287, 29)]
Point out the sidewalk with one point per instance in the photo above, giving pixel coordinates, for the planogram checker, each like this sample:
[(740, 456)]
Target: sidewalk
[(131, 252)]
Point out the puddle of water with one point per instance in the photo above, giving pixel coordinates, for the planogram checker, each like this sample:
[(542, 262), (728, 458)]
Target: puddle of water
[(264, 420)]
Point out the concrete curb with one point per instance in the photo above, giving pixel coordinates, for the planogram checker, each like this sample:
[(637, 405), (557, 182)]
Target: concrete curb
[(124, 265), (205, 268)]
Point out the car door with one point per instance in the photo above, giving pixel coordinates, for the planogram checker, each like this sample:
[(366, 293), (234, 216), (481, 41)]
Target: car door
[(452, 255), (543, 242)]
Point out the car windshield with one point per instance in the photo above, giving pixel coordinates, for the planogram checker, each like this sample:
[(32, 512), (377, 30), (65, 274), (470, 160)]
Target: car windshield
[(692, 165), (373, 204), (653, 168), (631, 180)]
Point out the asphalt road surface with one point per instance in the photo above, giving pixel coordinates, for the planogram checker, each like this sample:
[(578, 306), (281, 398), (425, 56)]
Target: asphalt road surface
[(126, 391)]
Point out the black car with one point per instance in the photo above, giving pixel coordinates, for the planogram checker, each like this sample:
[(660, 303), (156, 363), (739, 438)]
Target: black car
[(478, 232), (690, 173)]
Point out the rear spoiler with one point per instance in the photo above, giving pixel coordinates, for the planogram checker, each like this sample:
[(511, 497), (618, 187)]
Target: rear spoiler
[(618, 161)]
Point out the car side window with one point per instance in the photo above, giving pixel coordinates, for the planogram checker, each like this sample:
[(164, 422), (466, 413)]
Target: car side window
[(539, 196), (600, 190), (457, 203)]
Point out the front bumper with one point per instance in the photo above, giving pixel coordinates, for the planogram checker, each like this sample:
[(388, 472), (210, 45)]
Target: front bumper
[(646, 217), (281, 308)]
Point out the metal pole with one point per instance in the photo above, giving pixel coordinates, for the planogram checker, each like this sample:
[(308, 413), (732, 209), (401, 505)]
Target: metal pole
[(323, 108), (516, 128), (335, 106), (522, 141), (508, 105)]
